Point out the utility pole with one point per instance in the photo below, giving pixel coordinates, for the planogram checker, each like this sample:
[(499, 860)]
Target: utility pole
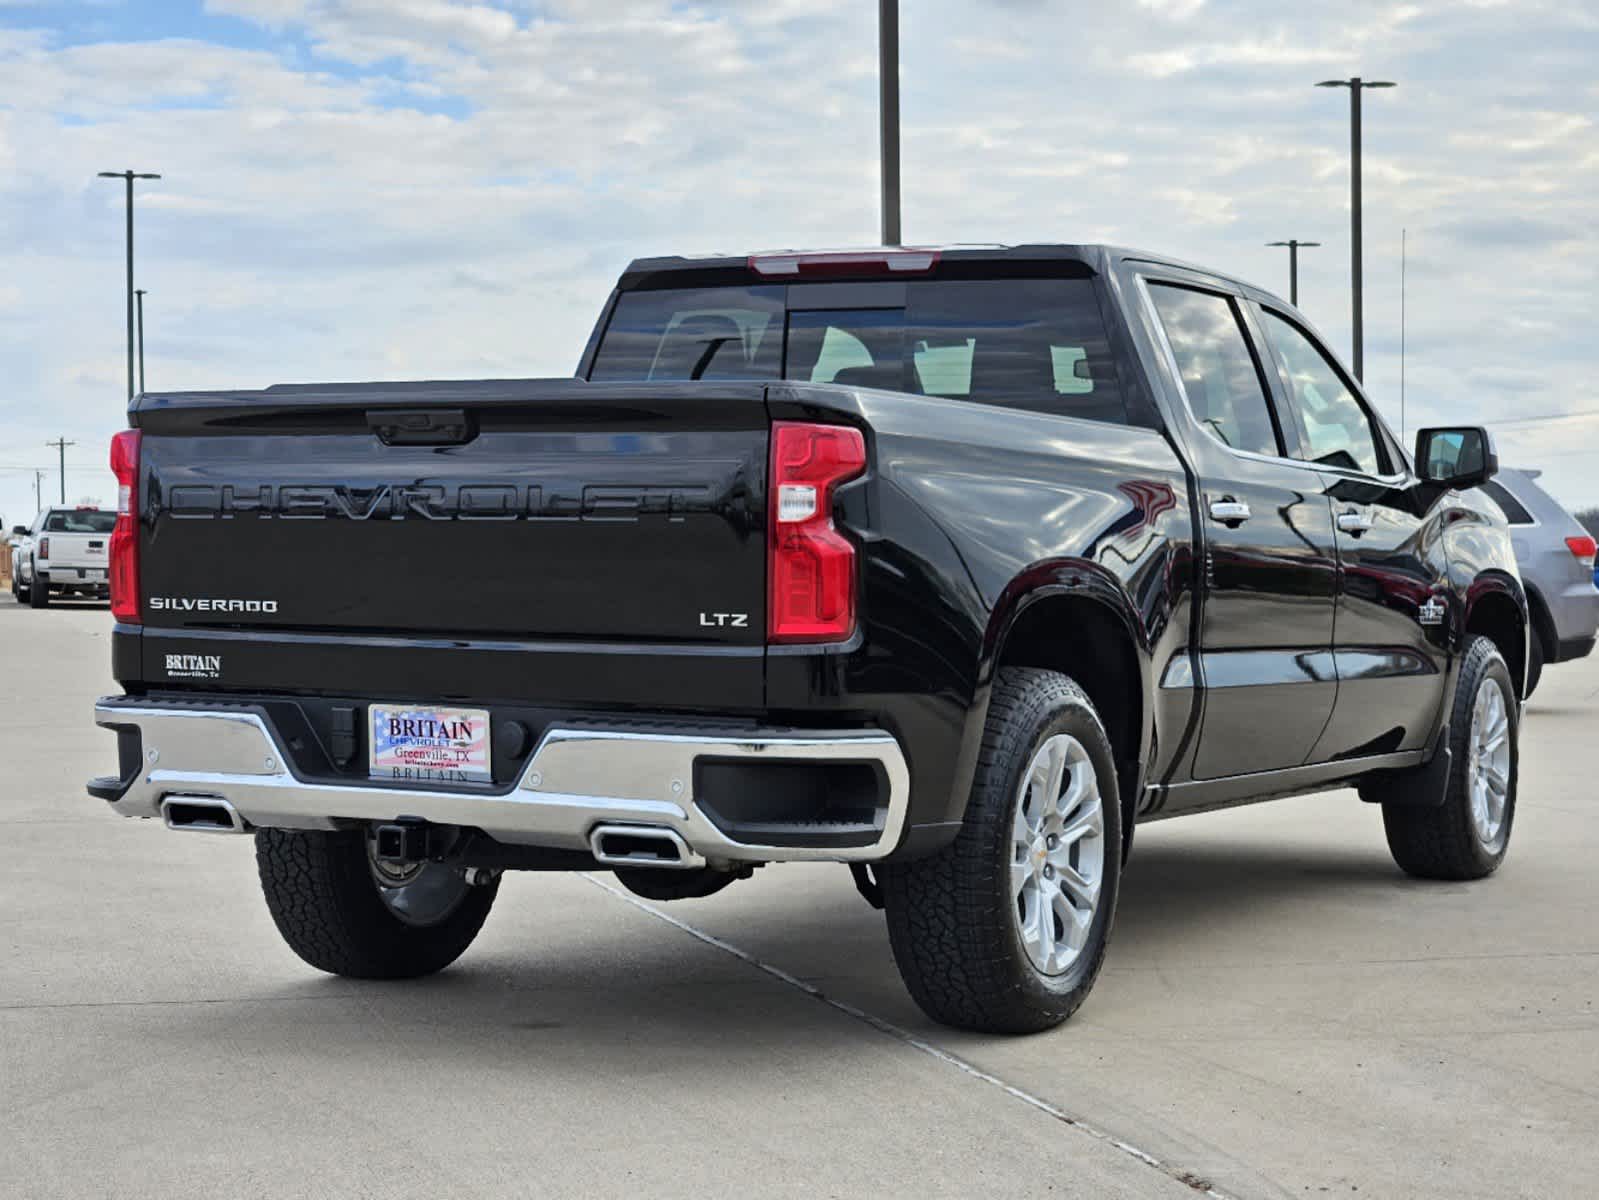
[(129, 177), (1356, 85), (888, 106), (38, 489), (139, 293), (1293, 245), (61, 445), (1403, 255)]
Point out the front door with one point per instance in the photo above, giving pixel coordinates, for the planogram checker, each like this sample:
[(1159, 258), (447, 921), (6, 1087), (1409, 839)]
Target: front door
[(1390, 631), (1266, 630)]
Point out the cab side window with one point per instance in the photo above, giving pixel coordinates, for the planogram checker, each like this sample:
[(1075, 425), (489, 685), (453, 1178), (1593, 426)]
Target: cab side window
[(1220, 379), (1338, 432)]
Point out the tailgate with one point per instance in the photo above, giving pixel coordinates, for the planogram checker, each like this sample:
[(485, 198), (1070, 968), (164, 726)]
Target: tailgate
[(78, 549), (544, 509)]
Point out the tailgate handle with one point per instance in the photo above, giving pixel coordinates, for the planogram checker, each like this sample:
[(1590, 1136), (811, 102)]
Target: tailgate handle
[(421, 426)]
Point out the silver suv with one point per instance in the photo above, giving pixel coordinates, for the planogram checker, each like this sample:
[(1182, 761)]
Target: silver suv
[(1556, 557)]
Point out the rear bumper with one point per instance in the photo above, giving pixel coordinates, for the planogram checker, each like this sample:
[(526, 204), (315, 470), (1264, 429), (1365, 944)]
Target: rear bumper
[(580, 776), (1577, 647)]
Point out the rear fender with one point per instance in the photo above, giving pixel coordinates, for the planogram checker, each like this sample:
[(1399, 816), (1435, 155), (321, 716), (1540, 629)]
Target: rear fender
[(1124, 703)]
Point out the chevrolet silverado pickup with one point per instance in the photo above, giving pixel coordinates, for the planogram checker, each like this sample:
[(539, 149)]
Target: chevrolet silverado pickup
[(949, 564), (64, 551)]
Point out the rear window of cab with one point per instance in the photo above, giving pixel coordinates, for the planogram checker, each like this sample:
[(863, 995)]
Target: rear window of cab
[(1034, 344)]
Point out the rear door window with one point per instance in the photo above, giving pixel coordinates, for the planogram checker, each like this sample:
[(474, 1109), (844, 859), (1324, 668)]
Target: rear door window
[(1220, 380)]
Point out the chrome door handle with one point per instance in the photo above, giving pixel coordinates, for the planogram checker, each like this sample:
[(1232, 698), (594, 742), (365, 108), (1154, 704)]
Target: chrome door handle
[(1355, 523), (1229, 512)]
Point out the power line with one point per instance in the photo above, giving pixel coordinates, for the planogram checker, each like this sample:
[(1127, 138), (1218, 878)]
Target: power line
[(1542, 417)]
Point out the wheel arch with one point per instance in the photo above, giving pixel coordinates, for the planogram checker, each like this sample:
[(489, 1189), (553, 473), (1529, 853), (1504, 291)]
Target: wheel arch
[(1073, 616), (1497, 608), (1542, 621)]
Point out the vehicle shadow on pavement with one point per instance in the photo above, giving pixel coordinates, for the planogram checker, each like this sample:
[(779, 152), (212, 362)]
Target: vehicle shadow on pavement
[(1171, 892), (10, 605), (636, 983)]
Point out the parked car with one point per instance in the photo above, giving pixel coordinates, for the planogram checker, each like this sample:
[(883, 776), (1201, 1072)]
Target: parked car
[(950, 565), (1556, 557), (64, 551)]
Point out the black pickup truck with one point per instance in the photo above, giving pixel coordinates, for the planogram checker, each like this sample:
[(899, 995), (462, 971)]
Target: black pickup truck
[(948, 564)]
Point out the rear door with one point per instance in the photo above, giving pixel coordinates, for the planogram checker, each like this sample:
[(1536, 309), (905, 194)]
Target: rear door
[(1390, 632), (1266, 632)]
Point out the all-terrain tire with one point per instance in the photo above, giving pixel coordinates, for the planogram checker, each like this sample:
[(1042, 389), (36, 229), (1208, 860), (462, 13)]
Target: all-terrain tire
[(38, 592), (1442, 841), (325, 902), (952, 917)]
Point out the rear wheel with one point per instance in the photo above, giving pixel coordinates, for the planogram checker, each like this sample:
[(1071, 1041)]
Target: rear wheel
[(38, 590), (346, 913), (1467, 835), (1005, 930)]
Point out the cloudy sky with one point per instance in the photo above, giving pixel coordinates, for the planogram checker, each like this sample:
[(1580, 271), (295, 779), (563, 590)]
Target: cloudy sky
[(414, 188)]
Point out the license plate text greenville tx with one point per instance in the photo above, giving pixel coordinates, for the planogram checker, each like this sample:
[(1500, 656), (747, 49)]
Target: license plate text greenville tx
[(445, 744)]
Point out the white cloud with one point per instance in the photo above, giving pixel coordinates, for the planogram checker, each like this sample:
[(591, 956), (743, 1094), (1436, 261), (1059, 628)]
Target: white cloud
[(420, 188)]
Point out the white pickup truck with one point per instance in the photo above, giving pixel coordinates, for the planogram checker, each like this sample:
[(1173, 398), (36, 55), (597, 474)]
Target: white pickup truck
[(63, 551)]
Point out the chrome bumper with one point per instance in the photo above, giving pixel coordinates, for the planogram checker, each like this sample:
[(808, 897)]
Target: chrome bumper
[(578, 777)]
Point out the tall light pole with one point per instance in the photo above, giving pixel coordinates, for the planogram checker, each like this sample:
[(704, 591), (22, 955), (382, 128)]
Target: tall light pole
[(1293, 245), (1356, 85), (139, 294), (129, 177), (888, 108)]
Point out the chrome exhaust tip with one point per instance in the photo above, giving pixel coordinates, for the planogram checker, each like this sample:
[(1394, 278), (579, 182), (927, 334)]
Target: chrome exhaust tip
[(201, 814), (642, 846)]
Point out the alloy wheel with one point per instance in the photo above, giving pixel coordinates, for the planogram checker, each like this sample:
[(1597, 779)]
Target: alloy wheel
[(1057, 853)]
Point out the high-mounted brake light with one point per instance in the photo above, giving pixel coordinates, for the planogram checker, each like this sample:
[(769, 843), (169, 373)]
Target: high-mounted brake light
[(124, 566), (812, 565), (1584, 548), (822, 263)]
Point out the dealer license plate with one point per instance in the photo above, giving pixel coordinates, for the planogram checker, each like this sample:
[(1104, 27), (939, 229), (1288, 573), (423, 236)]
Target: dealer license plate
[(448, 745)]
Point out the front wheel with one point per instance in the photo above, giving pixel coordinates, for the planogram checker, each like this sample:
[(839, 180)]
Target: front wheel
[(1467, 835), (345, 912), (1005, 930)]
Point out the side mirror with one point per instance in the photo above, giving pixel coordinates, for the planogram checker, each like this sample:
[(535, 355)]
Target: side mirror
[(1456, 457), (19, 531)]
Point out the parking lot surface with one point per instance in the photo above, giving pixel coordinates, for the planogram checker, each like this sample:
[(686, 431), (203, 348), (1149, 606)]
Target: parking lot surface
[(1283, 1014)]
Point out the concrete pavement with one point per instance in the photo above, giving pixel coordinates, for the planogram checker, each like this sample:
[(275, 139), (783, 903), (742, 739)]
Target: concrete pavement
[(1283, 1014)]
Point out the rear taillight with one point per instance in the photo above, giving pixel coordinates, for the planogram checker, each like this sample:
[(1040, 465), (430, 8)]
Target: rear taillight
[(124, 567), (1583, 548), (44, 547), (812, 573)]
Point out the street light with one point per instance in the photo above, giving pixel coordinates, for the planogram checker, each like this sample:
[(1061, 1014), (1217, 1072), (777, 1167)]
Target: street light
[(1356, 84), (888, 112), (139, 293), (129, 177), (1293, 245)]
